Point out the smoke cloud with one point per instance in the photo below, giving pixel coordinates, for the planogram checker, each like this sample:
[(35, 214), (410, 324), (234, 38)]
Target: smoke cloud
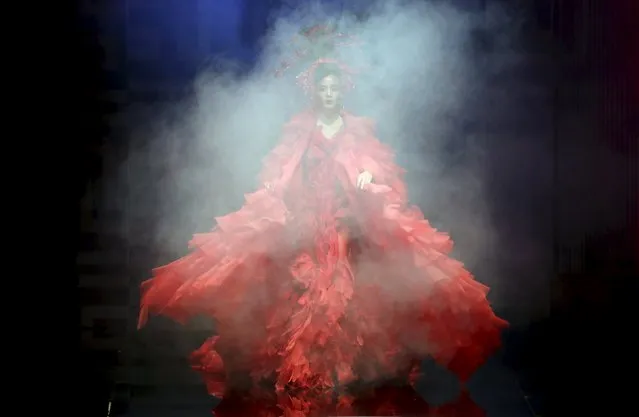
[(420, 77)]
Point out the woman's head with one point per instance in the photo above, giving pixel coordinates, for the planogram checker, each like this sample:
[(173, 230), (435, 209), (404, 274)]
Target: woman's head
[(327, 83)]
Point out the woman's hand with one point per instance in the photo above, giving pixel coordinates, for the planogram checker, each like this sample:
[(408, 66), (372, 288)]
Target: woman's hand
[(364, 179), (270, 186)]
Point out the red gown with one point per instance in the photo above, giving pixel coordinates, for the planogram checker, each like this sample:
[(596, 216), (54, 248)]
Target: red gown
[(296, 307)]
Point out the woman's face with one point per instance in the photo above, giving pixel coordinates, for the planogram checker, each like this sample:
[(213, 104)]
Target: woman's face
[(328, 92)]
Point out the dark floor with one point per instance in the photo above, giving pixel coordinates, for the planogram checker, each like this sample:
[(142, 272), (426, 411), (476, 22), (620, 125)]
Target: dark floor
[(495, 390)]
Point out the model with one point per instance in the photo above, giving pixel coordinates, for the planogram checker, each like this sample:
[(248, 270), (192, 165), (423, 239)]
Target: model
[(327, 280)]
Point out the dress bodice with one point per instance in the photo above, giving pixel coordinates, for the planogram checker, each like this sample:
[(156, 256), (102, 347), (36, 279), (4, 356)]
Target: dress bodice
[(319, 185)]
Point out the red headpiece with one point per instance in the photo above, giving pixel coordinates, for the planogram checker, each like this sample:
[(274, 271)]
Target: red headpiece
[(316, 44)]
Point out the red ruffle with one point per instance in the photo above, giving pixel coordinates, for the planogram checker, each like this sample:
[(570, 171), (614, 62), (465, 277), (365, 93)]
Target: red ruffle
[(297, 314)]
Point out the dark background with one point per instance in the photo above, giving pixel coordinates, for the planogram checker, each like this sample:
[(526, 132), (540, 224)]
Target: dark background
[(570, 357)]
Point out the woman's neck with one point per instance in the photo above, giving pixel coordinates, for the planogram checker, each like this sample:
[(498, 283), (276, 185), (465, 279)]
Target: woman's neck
[(328, 118)]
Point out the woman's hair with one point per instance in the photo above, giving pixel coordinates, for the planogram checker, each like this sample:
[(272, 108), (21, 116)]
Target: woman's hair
[(325, 69)]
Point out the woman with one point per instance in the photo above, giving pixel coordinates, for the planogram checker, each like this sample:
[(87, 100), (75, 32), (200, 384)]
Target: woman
[(326, 277)]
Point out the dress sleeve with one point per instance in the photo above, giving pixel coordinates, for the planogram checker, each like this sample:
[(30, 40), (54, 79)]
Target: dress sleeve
[(275, 160), (379, 159), (279, 163)]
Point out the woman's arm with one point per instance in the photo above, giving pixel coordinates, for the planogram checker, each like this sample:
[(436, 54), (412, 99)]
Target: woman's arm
[(280, 164), (378, 159)]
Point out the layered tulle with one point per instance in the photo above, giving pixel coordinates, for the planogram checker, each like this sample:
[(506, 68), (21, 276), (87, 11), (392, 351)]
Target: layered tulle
[(293, 311)]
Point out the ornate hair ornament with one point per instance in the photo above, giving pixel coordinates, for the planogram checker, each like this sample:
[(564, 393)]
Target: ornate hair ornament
[(306, 79), (316, 44)]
